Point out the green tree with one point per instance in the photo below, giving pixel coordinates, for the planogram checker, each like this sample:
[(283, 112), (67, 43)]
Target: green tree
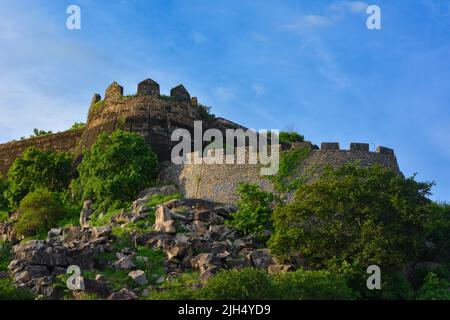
[(255, 207), (290, 137), (39, 211), (116, 167), (36, 169), (353, 216), (3, 189)]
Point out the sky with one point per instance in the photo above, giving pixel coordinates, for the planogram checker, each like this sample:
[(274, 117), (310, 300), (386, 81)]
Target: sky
[(312, 66)]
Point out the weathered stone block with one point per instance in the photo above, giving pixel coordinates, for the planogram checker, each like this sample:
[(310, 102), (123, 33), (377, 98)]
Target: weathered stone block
[(148, 87), (359, 146), (329, 146)]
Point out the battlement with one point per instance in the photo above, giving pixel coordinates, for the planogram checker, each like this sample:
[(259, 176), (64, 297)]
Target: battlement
[(147, 87), (355, 146)]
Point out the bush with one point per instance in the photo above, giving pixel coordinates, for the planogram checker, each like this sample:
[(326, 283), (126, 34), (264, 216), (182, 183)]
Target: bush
[(36, 169), (434, 289), (39, 211), (437, 230), (255, 207), (312, 285), (116, 168), (245, 284), (290, 137), (183, 287), (353, 216), (9, 292), (3, 189)]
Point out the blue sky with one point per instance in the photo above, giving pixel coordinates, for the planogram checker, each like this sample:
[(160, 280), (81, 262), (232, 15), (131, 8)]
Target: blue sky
[(308, 65)]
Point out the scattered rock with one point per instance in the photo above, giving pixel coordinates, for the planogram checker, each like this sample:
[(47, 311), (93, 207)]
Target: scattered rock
[(123, 294), (163, 220), (139, 277)]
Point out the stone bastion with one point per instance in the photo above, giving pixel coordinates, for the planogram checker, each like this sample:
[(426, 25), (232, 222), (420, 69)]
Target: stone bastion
[(218, 182)]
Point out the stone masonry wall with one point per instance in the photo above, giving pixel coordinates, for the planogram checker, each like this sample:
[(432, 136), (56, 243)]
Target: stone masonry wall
[(219, 182), (64, 141)]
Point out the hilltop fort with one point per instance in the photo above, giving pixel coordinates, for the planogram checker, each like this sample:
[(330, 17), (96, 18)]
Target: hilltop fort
[(155, 117)]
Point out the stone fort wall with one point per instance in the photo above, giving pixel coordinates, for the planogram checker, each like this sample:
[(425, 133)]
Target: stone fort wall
[(65, 142), (218, 182), (148, 113)]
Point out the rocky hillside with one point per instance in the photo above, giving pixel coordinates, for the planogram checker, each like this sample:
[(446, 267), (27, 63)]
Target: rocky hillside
[(129, 254)]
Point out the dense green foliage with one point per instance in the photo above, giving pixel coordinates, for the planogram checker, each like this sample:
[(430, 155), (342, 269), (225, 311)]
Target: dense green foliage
[(356, 216), (39, 211), (437, 231), (256, 284), (311, 285), (36, 169), (290, 137), (246, 284), (9, 292), (255, 207), (434, 289), (77, 125), (3, 189), (116, 168)]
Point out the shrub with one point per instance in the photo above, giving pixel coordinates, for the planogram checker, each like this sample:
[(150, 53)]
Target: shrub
[(77, 125), (39, 211), (5, 256), (36, 169), (255, 207), (312, 285), (434, 289), (437, 230), (356, 216), (3, 189), (9, 292), (183, 287), (290, 137), (115, 168), (245, 284)]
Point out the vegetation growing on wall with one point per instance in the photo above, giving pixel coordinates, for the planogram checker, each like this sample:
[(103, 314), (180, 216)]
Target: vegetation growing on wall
[(289, 177)]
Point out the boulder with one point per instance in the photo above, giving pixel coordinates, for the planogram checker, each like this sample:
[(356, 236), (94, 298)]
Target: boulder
[(261, 258), (125, 263), (139, 277), (204, 261), (123, 294), (98, 232), (163, 220), (30, 272), (280, 268)]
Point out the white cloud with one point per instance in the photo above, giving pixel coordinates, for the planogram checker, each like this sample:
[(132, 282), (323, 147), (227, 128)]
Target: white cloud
[(307, 22), (259, 89), (224, 93), (198, 37)]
